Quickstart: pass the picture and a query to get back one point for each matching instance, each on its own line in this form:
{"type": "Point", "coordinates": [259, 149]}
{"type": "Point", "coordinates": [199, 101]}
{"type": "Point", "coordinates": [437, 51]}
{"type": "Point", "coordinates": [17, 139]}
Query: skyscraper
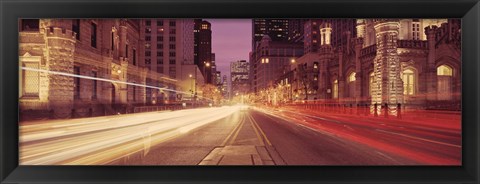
{"type": "Point", "coordinates": [277, 29]}
{"type": "Point", "coordinates": [239, 71]}
{"type": "Point", "coordinates": [203, 48]}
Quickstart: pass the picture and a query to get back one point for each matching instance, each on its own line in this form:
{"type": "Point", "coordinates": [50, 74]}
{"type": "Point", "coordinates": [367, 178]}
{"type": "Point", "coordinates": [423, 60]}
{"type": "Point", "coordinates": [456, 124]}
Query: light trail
{"type": "Point", "coordinates": [108, 80]}
{"type": "Point", "coordinates": [111, 138]}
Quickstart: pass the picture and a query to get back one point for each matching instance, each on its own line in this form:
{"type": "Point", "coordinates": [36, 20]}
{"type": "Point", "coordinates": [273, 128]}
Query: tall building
{"type": "Point", "coordinates": [344, 30]}
{"type": "Point", "coordinates": [296, 30]}
{"type": "Point", "coordinates": [225, 89]}
{"type": "Point", "coordinates": [269, 60]}
{"type": "Point", "coordinates": [276, 29]}
{"type": "Point", "coordinates": [311, 35]}
{"type": "Point", "coordinates": [239, 74]}
{"type": "Point", "coordinates": [203, 48]}
{"type": "Point", "coordinates": [145, 52]}
{"type": "Point", "coordinates": [169, 44]}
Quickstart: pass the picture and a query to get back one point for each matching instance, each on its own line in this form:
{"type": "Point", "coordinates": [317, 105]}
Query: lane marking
{"type": "Point", "coordinates": [418, 138]}
{"type": "Point", "coordinates": [257, 132]}
{"type": "Point", "coordinates": [232, 132]}
{"type": "Point", "coordinates": [232, 140]}
{"type": "Point", "coordinates": [261, 131]}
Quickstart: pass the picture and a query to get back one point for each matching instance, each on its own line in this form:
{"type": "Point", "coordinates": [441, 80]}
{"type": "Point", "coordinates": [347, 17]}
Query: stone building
{"type": "Point", "coordinates": [268, 61]}
{"type": "Point", "coordinates": [107, 54]}
{"type": "Point", "coordinates": [415, 62]}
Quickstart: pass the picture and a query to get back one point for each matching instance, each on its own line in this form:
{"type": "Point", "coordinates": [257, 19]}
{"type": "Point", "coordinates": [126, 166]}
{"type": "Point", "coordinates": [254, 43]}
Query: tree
{"type": "Point", "coordinates": [307, 80]}
{"type": "Point", "coordinates": [211, 93]}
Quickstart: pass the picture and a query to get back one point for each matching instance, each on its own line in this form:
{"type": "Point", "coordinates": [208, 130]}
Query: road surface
{"type": "Point", "coordinates": [233, 135]}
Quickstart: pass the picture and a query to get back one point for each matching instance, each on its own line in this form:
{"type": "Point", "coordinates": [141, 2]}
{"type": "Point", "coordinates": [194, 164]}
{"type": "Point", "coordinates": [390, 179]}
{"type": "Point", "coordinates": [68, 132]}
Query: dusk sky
{"type": "Point", "coordinates": [231, 41]}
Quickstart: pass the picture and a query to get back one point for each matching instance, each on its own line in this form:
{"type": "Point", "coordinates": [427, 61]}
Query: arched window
{"type": "Point", "coordinates": [335, 89]}
{"type": "Point", "coordinates": [408, 77]}
{"type": "Point", "coordinates": [370, 83]}
{"type": "Point", "coordinates": [444, 82]}
{"type": "Point", "coordinates": [351, 84]}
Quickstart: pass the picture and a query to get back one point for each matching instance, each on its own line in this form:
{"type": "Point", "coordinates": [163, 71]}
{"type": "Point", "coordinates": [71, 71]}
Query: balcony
{"type": "Point", "coordinates": [412, 44]}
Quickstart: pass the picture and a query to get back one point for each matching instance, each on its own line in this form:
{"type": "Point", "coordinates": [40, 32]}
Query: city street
{"type": "Point", "coordinates": [236, 135]}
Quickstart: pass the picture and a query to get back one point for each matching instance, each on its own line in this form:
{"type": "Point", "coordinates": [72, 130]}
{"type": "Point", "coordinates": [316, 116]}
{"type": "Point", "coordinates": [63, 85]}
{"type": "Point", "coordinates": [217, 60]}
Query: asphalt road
{"type": "Point", "coordinates": [275, 141]}
{"type": "Point", "coordinates": [234, 135]}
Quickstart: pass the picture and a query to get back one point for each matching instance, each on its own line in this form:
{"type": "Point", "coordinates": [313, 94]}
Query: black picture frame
{"type": "Point", "coordinates": [11, 11]}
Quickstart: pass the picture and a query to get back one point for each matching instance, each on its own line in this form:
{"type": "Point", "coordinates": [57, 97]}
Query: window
{"type": "Point", "coordinates": [159, 45]}
{"type": "Point", "coordinates": [76, 81]}
{"type": "Point", "coordinates": [159, 22]}
{"type": "Point", "coordinates": [172, 38]}
{"type": "Point", "coordinates": [416, 30]}
{"type": "Point", "coordinates": [444, 82]}
{"type": "Point", "coordinates": [94, 85]}
{"type": "Point", "coordinates": [160, 61]}
{"type": "Point", "coordinates": [172, 72]}
{"type": "Point", "coordinates": [76, 28]}
{"type": "Point", "coordinates": [408, 78]}
{"type": "Point", "coordinates": [148, 61]}
{"type": "Point", "coordinates": [126, 50]}
{"type": "Point", "coordinates": [148, 30]}
{"type": "Point", "coordinates": [315, 65]}
{"type": "Point", "coordinates": [371, 83]}
{"type": "Point", "coordinates": [30, 24]}
{"type": "Point", "coordinates": [93, 35]}
{"type": "Point", "coordinates": [172, 23]}
{"type": "Point", "coordinates": [160, 54]}
{"type": "Point", "coordinates": [351, 84]}
{"type": "Point", "coordinates": [159, 38]}
{"type": "Point", "coordinates": [112, 38]}
{"type": "Point", "coordinates": [148, 23]}
{"type": "Point", "coordinates": [148, 53]}
{"type": "Point", "coordinates": [172, 46]}
{"type": "Point", "coordinates": [134, 95]}
{"type": "Point", "coordinates": [172, 54]}
{"type": "Point", "coordinates": [134, 57]}
{"type": "Point", "coordinates": [148, 38]}
{"type": "Point", "coordinates": [159, 69]}
{"type": "Point", "coordinates": [30, 80]}
{"type": "Point", "coordinates": [172, 61]}
{"type": "Point", "coordinates": [172, 31]}
{"type": "Point", "coordinates": [335, 89]}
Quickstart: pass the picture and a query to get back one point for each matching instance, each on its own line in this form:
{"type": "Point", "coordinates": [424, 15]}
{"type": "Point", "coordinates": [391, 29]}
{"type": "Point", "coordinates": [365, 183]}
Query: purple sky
{"type": "Point", "coordinates": [231, 41]}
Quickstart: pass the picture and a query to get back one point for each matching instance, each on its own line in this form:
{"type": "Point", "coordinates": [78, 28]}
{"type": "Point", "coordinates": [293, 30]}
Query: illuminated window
{"type": "Point", "coordinates": [335, 89]}
{"type": "Point", "coordinates": [408, 78]}
{"type": "Point", "coordinates": [444, 82]}
{"type": "Point", "coordinates": [351, 84]}
{"type": "Point", "coordinates": [351, 77]}
{"type": "Point", "coordinates": [30, 80]}
{"type": "Point", "coordinates": [444, 70]}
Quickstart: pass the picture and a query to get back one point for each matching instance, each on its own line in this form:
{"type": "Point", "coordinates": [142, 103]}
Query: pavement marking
{"type": "Point", "coordinates": [257, 132]}
{"type": "Point", "coordinates": [261, 131]}
{"type": "Point", "coordinates": [236, 129]}
{"type": "Point", "coordinates": [418, 138]}
{"type": "Point", "coordinates": [232, 140]}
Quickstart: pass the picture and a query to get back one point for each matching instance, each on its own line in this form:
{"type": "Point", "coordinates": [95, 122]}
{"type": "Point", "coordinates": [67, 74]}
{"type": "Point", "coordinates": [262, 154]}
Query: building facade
{"type": "Point", "coordinates": [415, 62]}
{"type": "Point", "coordinates": [276, 29]}
{"type": "Point", "coordinates": [101, 65]}
{"type": "Point", "coordinates": [204, 58]}
{"type": "Point", "coordinates": [269, 60]}
{"type": "Point", "coordinates": [239, 74]}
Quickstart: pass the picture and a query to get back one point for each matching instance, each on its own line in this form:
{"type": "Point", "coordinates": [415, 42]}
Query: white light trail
{"type": "Point", "coordinates": [107, 80]}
